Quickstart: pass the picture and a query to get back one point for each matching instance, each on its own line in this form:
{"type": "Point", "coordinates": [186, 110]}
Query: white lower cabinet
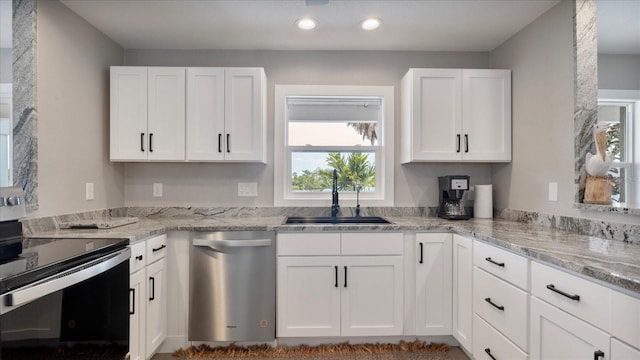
{"type": "Point", "coordinates": [325, 294]}
{"type": "Point", "coordinates": [558, 335]}
{"type": "Point", "coordinates": [622, 351]}
{"type": "Point", "coordinates": [156, 306]}
{"type": "Point", "coordinates": [502, 305]}
{"type": "Point", "coordinates": [489, 344]}
{"type": "Point", "coordinates": [308, 296]}
{"type": "Point", "coordinates": [372, 296]}
{"type": "Point", "coordinates": [433, 283]}
{"type": "Point", "coordinates": [137, 312]}
{"type": "Point", "coordinates": [462, 290]}
{"type": "Point", "coordinates": [148, 294]}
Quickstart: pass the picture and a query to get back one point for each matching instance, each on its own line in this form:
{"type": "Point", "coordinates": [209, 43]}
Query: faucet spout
{"type": "Point", "coordinates": [335, 206]}
{"type": "Point", "coordinates": [358, 189]}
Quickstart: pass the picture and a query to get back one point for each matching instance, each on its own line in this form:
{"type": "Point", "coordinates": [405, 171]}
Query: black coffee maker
{"type": "Point", "coordinates": [452, 206]}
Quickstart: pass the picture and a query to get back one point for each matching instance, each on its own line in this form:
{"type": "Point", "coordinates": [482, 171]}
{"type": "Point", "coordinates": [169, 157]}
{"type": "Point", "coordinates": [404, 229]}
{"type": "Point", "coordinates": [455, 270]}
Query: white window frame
{"type": "Point", "coordinates": [632, 161]}
{"type": "Point", "coordinates": [384, 194]}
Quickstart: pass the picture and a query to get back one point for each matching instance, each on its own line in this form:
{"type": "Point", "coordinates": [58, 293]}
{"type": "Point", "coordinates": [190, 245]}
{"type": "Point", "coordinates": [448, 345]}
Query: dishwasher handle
{"type": "Point", "coordinates": [232, 243]}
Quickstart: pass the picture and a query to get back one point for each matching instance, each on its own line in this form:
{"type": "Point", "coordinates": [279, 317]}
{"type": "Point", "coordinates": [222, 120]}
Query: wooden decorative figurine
{"type": "Point", "coordinates": [598, 186]}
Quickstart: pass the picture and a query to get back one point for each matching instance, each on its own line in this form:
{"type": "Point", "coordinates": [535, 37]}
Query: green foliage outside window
{"type": "Point", "coordinates": [353, 169]}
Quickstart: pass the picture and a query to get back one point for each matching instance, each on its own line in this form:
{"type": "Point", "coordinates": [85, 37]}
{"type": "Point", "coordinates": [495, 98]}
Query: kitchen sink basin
{"type": "Point", "coordinates": [336, 220]}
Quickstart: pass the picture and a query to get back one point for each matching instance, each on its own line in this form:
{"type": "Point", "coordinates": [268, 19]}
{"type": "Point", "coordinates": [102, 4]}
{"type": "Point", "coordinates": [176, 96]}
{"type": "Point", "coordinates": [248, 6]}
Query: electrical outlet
{"type": "Point", "coordinates": [248, 189]}
{"type": "Point", "coordinates": [157, 189]}
{"type": "Point", "coordinates": [88, 191]}
{"type": "Point", "coordinates": [553, 191]}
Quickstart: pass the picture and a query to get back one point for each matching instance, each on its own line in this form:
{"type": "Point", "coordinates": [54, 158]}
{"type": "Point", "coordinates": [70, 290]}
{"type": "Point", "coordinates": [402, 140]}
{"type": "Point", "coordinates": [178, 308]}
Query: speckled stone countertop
{"type": "Point", "coordinates": [613, 262]}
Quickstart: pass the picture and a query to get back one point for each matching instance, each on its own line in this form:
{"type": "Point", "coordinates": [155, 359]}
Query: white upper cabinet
{"type": "Point", "coordinates": [245, 114]}
{"type": "Point", "coordinates": [128, 109]}
{"type": "Point", "coordinates": [205, 114]}
{"type": "Point", "coordinates": [147, 113]}
{"type": "Point", "coordinates": [192, 114]}
{"type": "Point", "coordinates": [456, 115]}
{"type": "Point", "coordinates": [226, 114]}
{"type": "Point", "coordinates": [166, 104]}
{"type": "Point", "coordinates": [486, 109]}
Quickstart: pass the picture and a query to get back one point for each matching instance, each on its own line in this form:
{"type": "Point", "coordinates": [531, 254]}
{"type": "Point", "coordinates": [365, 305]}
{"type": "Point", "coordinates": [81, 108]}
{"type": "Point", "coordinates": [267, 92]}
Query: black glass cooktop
{"type": "Point", "coordinates": [41, 258]}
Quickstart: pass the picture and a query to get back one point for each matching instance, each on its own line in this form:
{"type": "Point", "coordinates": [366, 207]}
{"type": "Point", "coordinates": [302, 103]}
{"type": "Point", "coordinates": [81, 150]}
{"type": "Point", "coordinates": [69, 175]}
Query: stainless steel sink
{"type": "Point", "coordinates": [336, 220]}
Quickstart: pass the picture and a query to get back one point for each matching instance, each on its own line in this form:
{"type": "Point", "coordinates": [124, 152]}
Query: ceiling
{"type": "Point", "coordinates": [429, 25]}
{"type": "Point", "coordinates": [412, 25]}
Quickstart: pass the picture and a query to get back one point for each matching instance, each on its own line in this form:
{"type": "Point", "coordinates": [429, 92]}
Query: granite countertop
{"type": "Point", "coordinates": [613, 262]}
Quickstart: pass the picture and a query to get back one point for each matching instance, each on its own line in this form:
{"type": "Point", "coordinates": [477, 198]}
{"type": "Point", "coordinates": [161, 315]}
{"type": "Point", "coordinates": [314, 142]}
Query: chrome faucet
{"type": "Point", "coordinates": [335, 207]}
{"type": "Point", "coordinates": [358, 189]}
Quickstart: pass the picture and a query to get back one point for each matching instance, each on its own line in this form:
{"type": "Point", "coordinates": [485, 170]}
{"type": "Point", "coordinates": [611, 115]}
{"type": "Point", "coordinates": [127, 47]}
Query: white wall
{"type": "Point", "coordinates": [541, 58]}
{"type": "Point", "coordinates": [619, 72]}
{"type": "Point", "coordinates": [73, 106]}
{"type": "Point", "coordinates": [216, 184]}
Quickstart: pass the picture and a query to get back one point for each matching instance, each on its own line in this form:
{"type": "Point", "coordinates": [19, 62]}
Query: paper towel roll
{"type": "Point", "coordinates": [483, 203]}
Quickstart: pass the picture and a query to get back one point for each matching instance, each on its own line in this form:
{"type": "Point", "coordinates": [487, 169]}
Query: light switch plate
{"type": "Point", "coordinates": [553, 191]}
{"type": "Point", "coordinates": [89, 191]}
{"type": "Point", "coordinates": [157, 189]}
{"type": "Point", "coordinates": [248, 189]}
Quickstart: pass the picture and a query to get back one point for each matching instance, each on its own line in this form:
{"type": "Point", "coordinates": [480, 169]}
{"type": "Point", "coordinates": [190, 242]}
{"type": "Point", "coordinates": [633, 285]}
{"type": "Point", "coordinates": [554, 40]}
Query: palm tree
{"type": "Point", "coordinates": [353, 170]}
{"type": "Point", "coordinates": [366, 129]}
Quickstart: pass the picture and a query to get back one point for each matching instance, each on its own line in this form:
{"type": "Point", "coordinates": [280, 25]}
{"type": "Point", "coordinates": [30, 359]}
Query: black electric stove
{"type": "Point", "coordinates": [27, 260]}
{"type": "Point", "coordinates": [75, 291]}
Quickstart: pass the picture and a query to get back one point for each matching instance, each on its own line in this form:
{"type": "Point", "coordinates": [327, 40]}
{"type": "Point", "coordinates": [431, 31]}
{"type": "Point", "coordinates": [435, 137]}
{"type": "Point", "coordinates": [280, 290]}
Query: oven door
{"type": "Point", "coordinates": [79, 313]}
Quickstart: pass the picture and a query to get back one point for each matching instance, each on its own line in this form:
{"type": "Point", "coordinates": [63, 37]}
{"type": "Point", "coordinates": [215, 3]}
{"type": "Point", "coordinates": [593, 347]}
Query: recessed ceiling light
{"type": "Point", "coordinates": [371, 23]}
{"type": "Point", "coordinates": [306, 23]}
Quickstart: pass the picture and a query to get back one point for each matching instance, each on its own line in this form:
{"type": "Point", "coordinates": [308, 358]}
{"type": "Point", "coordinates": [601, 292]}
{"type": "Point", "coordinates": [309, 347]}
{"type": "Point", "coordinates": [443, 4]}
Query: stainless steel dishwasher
{"type": "Point", "coordinates": [232, 286]}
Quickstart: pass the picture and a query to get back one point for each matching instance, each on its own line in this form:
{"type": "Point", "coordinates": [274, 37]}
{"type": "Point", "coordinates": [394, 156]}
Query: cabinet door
{"type": "Point", "coordinates": [166, 106]}
{"type": "Point", "coordinates": [436, 114]}
{"type": "Point", "coordinates": [137, 312]}
{"type": "Point", "coordinates": [486, 109]}
{"type": "Point", "coordinates": [308, 301]}
{"type": "Point", "coordinates": [372, 295]}
{"type": "Point", "coordinates": [433, 284]}
{"type": "Point", "coordinates": [622, 351]}
{"type": "Point", "coordinates": [128, 112]}
{"type": "Point", "coordinates": [245, 114]}
{"type": "Point", "coordinates": [462, 290]}
{"type": "Point", "coordinates": [156, 300]}
{"type": "Point", "coordinates": [205, 114]}
{"type": "Point", "coordinates": [558, 335]}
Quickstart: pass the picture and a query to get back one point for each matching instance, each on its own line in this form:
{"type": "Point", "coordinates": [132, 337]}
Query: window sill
{"type": "Point", "coordinates": [608, 208]}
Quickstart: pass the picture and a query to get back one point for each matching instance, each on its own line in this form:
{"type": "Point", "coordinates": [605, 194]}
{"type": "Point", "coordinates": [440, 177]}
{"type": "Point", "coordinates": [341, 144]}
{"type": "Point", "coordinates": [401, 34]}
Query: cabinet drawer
{"type": "Point", "coordinates": [487, 340]}
{"type": "Point", "coordinates": [370, 243]}
{"type": "Point", "coordinates": [156, 248]}
{"type": "Point", "coordinates": [625, 318]}
{"type": "Point", "coordinates": [138, 258]}
{"type": "Point", "coordinates": [622, 351]}
{"type": "Point", "coordinates": [501, 263]}
{"type": "Point", "coordinates": [303, 243]}
{"type": "Point", "coordinates": [586, 300]}
{"type": "Point", "coordinates": [502, 305]}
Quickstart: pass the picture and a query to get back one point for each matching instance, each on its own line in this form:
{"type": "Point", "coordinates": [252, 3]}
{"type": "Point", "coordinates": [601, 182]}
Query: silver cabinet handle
{"type": "Point", "coordinates": [232, 243]}
{"type": "Point", "coordinates": [63, 280]}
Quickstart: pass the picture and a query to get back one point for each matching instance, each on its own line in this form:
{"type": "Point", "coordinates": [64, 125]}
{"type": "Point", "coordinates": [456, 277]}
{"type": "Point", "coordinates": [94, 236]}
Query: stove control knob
{"type": "Point", "coordinates": [3, 201]}
{"type": "Point", "coordinates": [13, 200]}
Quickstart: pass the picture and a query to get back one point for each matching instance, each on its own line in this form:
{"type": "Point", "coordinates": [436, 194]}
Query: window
{"type": "Point", "coordinates": [322, 128]}
{"type": "Point", "coordinates": [621, 116]}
